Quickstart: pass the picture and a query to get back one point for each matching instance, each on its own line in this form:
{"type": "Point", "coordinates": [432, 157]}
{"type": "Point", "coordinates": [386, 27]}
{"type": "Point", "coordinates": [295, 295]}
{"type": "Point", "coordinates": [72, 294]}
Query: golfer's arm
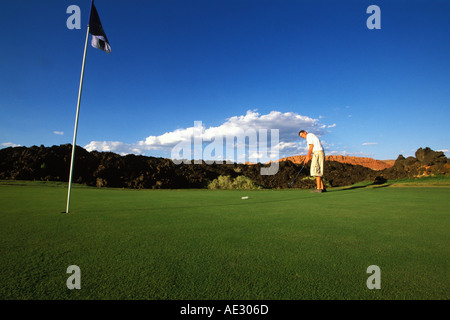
{"type": "Point", "coordinates": [308, 157]}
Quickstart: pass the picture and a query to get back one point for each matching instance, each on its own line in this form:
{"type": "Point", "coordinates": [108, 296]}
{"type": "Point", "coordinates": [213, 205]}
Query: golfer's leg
{"type": "Point", "coordinates": [318, 179]}
{"type": "Point", "coordinates": [321, 162]}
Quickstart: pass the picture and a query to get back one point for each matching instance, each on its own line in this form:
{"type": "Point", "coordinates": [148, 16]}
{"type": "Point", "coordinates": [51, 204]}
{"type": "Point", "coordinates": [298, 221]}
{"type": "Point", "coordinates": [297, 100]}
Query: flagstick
{"type": "Point", "coordinates": [76, 121]}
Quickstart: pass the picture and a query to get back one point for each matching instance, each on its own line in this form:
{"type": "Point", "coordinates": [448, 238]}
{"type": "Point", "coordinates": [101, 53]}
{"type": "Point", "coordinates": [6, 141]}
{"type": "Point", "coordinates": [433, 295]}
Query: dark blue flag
{"type": "Point", "coordinates": [99, 39]}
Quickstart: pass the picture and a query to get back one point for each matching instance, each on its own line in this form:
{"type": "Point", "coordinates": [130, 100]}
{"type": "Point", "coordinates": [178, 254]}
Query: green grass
{"type": "Point", "coordinates": [211, 244]}
{"type": "Point", "coordinates": [432, 180]}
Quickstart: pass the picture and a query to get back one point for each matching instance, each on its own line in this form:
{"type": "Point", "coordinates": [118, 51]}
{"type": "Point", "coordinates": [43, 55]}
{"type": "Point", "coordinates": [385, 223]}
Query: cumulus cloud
{"type": "Point", "coordinates": [59, 133]}
{"type": "Point", "coordinates": [113, 146]}
{"type": "Point", "coordinates": [252, 123]}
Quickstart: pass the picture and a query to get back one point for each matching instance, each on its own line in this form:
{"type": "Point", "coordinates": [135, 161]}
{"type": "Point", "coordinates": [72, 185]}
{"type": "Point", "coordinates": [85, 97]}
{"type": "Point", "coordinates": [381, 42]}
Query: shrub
{"type": "Point", "coordinates": [242, 182]}
{"type": "Point", "coordinates": [226, 182]}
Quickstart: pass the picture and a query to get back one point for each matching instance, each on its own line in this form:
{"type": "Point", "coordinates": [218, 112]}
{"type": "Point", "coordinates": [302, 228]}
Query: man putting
{"type": "Point", "coordinates": [318, 158]}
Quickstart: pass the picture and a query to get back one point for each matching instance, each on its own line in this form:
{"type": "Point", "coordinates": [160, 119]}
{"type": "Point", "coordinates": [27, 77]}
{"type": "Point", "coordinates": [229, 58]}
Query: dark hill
{"type": "Point", "coordinates": [426, 162]}
{"type": "Point", "coordinates": [107, 169]}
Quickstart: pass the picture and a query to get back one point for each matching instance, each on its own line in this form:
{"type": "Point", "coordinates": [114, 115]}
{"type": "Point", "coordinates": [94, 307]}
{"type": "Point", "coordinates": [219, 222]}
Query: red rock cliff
{"type": "Point", "coordinates": [365, 162]}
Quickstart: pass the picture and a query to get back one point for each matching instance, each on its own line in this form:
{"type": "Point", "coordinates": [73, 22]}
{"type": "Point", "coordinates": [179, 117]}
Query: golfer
{"type": "Point", "coordinates": [318, 158]}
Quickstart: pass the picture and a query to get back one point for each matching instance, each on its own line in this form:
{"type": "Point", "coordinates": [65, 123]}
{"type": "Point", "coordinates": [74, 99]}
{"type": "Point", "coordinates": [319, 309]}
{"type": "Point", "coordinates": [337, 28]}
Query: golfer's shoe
{"type": "Point", "coordinates": [316, 191]}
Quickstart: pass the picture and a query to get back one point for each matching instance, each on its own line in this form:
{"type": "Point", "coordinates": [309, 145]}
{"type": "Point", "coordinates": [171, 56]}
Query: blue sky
{"type": "Point", "coordinates": [251, 64]}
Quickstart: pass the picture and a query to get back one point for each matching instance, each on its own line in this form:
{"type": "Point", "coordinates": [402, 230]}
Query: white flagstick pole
{"type": "Point", "coordinates": [76, 122]}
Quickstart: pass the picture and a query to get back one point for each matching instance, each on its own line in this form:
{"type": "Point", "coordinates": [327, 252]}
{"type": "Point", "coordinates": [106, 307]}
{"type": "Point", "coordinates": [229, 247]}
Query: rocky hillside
{"type": "Point", "coordinates": [426, 162]}
{"type": "Point", "coordinates": [361, 161]}
{"type": "Point", "coordinates": [106, 169]}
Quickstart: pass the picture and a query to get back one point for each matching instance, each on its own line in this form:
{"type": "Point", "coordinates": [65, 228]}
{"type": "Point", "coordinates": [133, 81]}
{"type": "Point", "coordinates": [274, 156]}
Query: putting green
{"type": "Point", "coordinates": [208, 244]}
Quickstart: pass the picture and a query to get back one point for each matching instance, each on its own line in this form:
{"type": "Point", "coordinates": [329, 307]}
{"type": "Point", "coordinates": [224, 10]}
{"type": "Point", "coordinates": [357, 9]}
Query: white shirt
{"type": "Point", "coordinates": [311, 138]}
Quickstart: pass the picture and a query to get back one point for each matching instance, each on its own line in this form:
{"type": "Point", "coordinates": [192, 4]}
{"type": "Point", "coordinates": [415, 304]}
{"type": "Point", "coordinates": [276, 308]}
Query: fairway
{"type": "Point", "coordinates": [211, 244]}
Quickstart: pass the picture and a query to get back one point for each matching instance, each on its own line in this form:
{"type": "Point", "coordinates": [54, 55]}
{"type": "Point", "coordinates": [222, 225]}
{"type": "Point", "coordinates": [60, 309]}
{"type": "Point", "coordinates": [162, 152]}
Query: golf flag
{"type": "Point", "coordinates": [99, 39]}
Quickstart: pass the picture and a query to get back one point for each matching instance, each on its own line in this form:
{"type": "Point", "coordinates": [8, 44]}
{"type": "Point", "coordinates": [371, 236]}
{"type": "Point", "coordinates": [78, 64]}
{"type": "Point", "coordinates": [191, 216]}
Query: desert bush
{"type": "Point", "coordinates": [242, 182]}
{"type": "Point", "coordinates": [226, 182]}
{"type": "Point", "coordinates": [222, 182]}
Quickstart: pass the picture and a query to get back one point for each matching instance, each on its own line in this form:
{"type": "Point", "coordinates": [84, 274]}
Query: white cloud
{"type": "Point", "coordinates": [288, 124]}
{"type": "Point", "coordinates": [113, 146]}
{"type": "Point", "coordinates": [9, 144]}
{"type": "Point", "coordinates": [60, 133]}
{"type": "Point", "coordinates": [332, 125]}
{"type": "Point", "coordinates": [369, 143]}
{"type": "Point", "coordinates": [288, 145]}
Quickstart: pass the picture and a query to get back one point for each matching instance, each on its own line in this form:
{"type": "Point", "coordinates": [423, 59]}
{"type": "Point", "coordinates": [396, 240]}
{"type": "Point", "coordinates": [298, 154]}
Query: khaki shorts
{"type": "Point", "coordinates": [317, 164]}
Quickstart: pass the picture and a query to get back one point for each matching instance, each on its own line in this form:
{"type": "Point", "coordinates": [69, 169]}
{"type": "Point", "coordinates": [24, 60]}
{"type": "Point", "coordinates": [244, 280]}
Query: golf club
{"type": "Point", "coordinates": [291, 183]}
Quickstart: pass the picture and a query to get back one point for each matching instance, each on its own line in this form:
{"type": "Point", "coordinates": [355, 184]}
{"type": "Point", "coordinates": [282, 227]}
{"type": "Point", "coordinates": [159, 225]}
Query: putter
{"type": "Point", "coordinates": [291, 183]}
